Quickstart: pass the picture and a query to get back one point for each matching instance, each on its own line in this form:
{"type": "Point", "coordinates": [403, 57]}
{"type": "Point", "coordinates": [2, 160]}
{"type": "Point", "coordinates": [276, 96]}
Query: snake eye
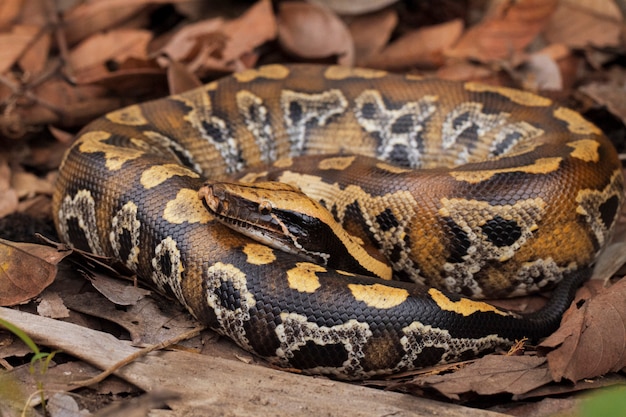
{"type": "Point", "coordinates": [265, 207]}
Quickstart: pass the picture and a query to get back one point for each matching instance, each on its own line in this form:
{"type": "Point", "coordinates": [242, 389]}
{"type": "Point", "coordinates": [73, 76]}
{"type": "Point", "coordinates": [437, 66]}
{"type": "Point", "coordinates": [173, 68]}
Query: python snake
{"type": "Point", "coordinates": [478, 191]}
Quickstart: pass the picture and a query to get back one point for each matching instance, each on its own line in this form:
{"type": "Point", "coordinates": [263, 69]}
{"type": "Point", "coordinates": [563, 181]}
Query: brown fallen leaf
{"type": "Point", "coordinates": [580, 23]}
{"type": "Point", "coordinates": [14, 42]}
{"type": "Point", "coordinates": [313, 31]}
{"type": "Point", "coordinates": [423, 47]}
{"type": "Point", "coordinates": [489, 375]}
{"type": "Point", "coordinates": [25, 270]}
{"type": "Point", "coordinates": [9, 10]}
{"type": "Point", "coordinates": [8, 195]}
{"type": "Point", "coordinates": [88, 18]}
{"type": "Point", "coordinates": [507, 29]}
{"type": "Point", "coordinates": [255, 27]}
{"type": "Point", "coordinates": [611, 94]}
{"type": "Point", "coordinates": [371, 32]}
{"type": "Point", "coordinates": [592, 338]}
{"type": "Point", "coordinates": [92, 58]}
{"type": "Point", "coordinates": [221, 45]}
{"type": "Point", "coordinates": [353, 7]}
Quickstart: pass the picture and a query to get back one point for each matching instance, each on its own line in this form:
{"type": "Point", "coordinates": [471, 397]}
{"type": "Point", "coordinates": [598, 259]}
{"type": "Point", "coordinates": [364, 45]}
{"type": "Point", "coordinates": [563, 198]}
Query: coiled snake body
{"type": "Point", "coordinates": [513, 194]}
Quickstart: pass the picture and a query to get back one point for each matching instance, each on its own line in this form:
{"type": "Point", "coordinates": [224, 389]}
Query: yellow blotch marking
{"type": "Point", "coordinates": [464, 306]}
{"type": "Point", "coordinates": [302, 278]}
{"type": "Point", "coordinates": [274, 72]}
{"type": "Point", "coordinates": [158, 174]}
{"type": "Point", "coordinates": [392, 168]}
{"type": "Point", "coordinates": [283, 163]}
{"type": "Point", "coordinates": [186, 207]}
{"type": "Point", "coordinates": [575, 122]}
{"type": "Point", "coordinates": [259, 254]}
{"type": "Point", "coordinates": [379, 296]}
{"type": "Point", "coordinates": [341, 73]}
{"type": "Point", "coordinates": [129, 116]}
{"type": "Point", "coordinates": [92, 142]}
{"type": "Point", "coordinates": [339, 163]}
{"type": "Point", "coordinates": [414, 77]}
{"type": "Point", "coordinates": [521, 97]}
{"type": "Point", "coordinates": [541, 166]}
{"type": "Point", "coordinates": [586, 150]}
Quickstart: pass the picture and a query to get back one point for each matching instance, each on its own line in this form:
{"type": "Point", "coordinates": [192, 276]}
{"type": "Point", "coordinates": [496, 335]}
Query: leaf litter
{"type": "Point", "coordinates": [67, 63]}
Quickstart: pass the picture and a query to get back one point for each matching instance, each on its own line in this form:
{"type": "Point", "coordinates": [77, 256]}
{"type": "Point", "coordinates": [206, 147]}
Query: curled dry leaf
{"type": "Point", "coordinates": [90, 59]}
{"type": "Point", "coordinates": [88, 18]}
{"type": "Point", "coordinates": [255, 27]}
{"type": "Point", "coordinates": [354, 7]}
{"type": "Point", "coordinates": [313, 31]}
{"type": "Point", "coordinates": [611, 94]}
{"type": "Point", "coordinates": [492, 374]}
{"type": "Point", "coordinates": [592, 338]}
{"type": "Point", "coordinates": [423, 47]}
{"type": "Point", "coordinates": [25, 270]}
{"type": "Point", "coordinates": [216, 44]}
{"type": "Point", "coordinates": [8, 196]}
{"type": "Point", "coordinates": [505, 30]}
{"type": "Point", "coordinates": [371, 33]}
{"type": "Point", "coordinates": [14, 42]}
{"type": "Point", "coordinates": [9, 10]}
{"type": "Point", "coordinates": [580, 23]}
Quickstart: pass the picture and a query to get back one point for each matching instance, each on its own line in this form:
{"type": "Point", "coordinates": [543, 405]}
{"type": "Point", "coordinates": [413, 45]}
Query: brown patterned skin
{"type": "Point", "coordinates": [513, 194]}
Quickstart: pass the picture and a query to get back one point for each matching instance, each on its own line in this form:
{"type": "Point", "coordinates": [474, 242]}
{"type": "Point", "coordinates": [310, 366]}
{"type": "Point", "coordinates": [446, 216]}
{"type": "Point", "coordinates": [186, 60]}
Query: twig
{"type": "Point", "coordinates": [140, 353]}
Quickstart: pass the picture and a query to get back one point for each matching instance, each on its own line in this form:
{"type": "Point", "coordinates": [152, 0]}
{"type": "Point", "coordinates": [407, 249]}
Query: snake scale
{"type": "Point", "coordinates": [477, 191]}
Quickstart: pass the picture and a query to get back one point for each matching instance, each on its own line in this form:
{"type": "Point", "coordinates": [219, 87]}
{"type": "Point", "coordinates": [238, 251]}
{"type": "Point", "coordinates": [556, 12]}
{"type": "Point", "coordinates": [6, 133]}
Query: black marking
{"type": "Point", "coordinates": [369, 110]}
{"type": "Point", "coordinates": [399, 156]}
{"type": "Point", "coordinates": [608, 211]}
{"type": "Point", "coordinates": [77, 235]}
{"type": "Point", "coordinates": [228, 295]}
{"type": "Point", "coordinates": [165, 263]}
{"type": "Point", "coordinates": [505, 144]}
{"type": "Point", "coordinates": [429, 356]}
{"type": "Point", "coordinates": [312, 355]}
{"type": "Point", "coordinates": [386, 220]}
{"type": "Point", "coordinates": [295, 112]}
{"type": "Point", "coordinates": [502, 232]}
{"type": "Point", "coordinates": [403, 124]}
{"type": "Point", "coordinates": [459, 241]}
{"type": "Point", "coordinates": [214, 131]}
{"type": "Point", "coordinates": [125, 242]}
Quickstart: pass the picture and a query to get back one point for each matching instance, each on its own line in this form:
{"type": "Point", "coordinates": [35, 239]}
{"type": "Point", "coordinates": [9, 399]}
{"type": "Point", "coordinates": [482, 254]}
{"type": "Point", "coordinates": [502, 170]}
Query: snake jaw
{"type": "Point", "coordinates": [259, 221]}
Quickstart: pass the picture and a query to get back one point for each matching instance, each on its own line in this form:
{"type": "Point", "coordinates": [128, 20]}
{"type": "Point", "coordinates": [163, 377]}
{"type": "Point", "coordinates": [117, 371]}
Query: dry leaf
{"type": "Point", "coordinates": [88, 18]}
{"type": "Point", "coordinates": [611, 94]}
{"type": "Point", "coordinates": [541, 72]}
{"type": "Point", "coordinates": [51, 305]}
{"type": "Point", "coordinates": [180, 79]}
{"type": "Point", "coordinates": [14, 42]}
{"type": "Point", "coordinates": [423, 47]}
{"type": "Point", "coordinates": [91, 59]}
{"type": "Point", "coordinates": [371, 33]}
{"type": "Point", "coordinates": [8, 196]}
{"type": "Point", "coordinates": [354, 6]}
{"type": "Point", "coordinates": [255, 27]}
{"type": "Point", "coordinates": [592, 338]}
{"type": "Point", "coordinates": [506, 30]}
{"type": "Point", "coordinates": [580, 23]}
{"type": "Point", "coordinates": [216, 44]}
{"type": "Point", "coordinates": [9, 10]}
{"type": "Point", "coordinates": [491, 374]}
{"type": "Point", "coordinates": [25, 270]}
{"type": "Point", "coordinates": [313, 31]}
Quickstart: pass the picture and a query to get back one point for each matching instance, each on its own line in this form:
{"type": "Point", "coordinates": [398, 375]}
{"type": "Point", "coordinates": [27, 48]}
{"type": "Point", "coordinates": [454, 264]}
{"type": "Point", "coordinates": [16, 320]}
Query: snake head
{"type": "Point", "coordinates": [283, 217]}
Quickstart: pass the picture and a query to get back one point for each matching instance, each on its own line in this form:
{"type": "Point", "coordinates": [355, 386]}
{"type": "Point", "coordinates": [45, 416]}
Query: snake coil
{"type": "Point", "coordinates": [478, 191]}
